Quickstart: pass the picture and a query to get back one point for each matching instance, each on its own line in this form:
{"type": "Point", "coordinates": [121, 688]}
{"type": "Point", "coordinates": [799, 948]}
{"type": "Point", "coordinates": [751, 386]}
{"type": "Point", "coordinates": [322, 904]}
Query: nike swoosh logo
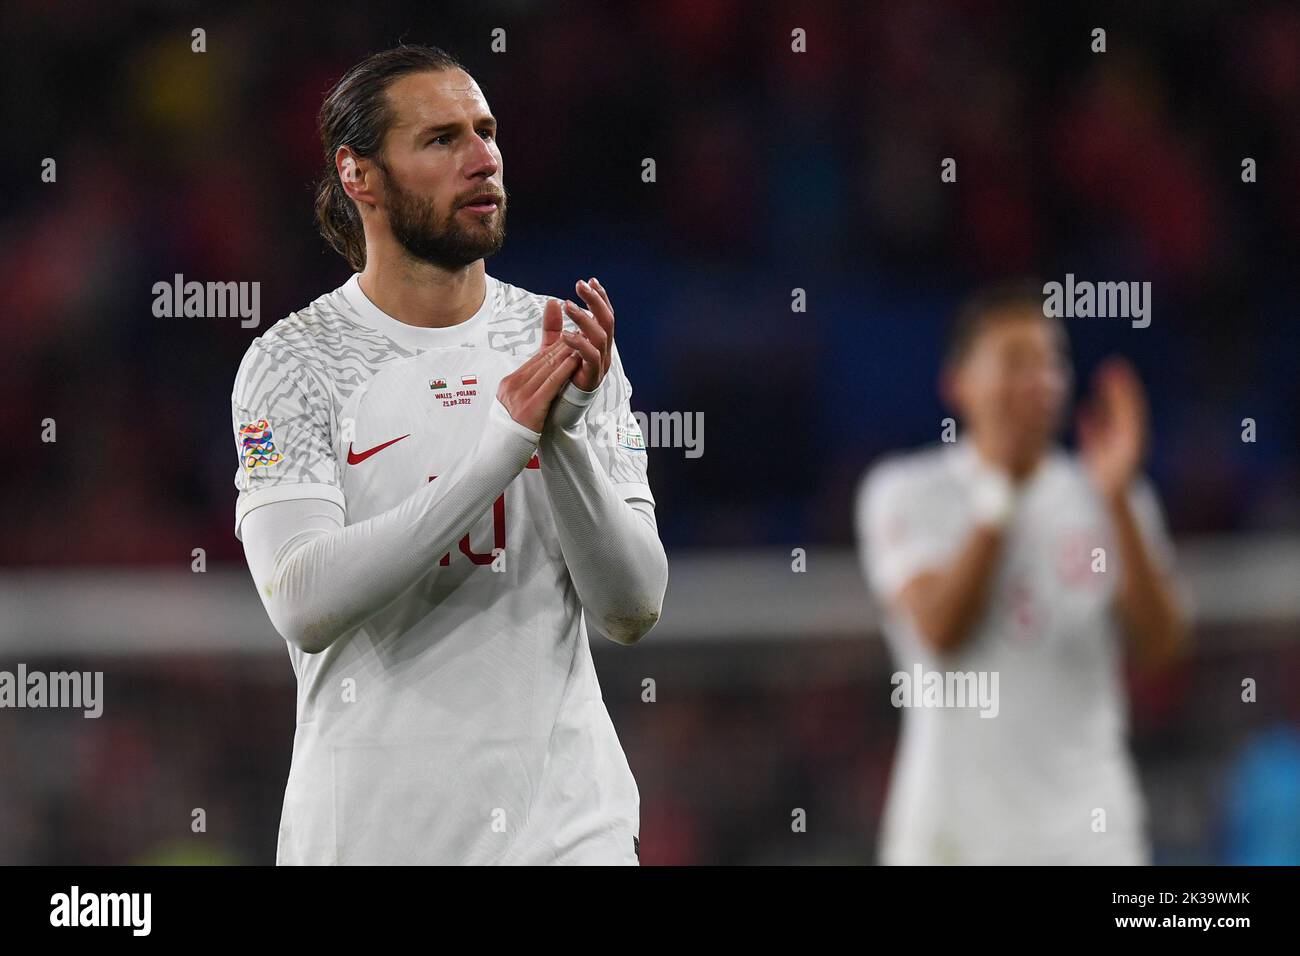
{"type": "Point", "coordinates": [355, 458]}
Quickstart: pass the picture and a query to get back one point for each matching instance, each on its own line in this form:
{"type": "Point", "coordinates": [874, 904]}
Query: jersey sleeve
{"type": "Point", "coordinates": [615, 434]}
{"type": "Point", "coordinates": [901, 532]}
{"type": "Point", "coordinates": [281, 420]}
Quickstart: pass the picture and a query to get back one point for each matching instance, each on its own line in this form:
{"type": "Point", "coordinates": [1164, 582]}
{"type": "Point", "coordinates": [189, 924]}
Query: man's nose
{"type": "Point", "coordinates": [481, 160]}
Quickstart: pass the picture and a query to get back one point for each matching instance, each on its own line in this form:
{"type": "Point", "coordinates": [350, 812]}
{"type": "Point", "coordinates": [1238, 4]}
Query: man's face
{"type": "Point", "coordinates": [439, 154]}
{"type": "Point", "coordinates": [1011, 384]}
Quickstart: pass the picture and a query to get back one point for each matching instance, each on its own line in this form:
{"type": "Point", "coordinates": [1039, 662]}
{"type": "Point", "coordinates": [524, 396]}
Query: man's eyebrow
{"type": "Point", "coordinates": [437, 128]}
{"type": "Point", "coordinates": [455, 124]}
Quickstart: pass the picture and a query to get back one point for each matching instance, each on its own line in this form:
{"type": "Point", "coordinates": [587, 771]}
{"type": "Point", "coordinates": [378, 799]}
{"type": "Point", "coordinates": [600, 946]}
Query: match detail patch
{"type": "Point", "coordinates": [257, 445]}
{"type": "Point", "coordinates": [630, 437]}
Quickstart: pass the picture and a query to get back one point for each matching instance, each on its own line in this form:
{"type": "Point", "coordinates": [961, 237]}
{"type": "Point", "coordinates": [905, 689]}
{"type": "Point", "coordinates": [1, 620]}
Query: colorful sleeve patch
{"type": "Point", "coordinates": [629, 436]}
{"type": "Point", "coordinates": [257, 445]}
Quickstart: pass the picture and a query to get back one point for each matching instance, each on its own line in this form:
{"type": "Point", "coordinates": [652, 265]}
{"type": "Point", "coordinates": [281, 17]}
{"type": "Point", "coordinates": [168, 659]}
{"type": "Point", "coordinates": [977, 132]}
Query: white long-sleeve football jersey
{"type": "Point", "coordinates": [462, 723]}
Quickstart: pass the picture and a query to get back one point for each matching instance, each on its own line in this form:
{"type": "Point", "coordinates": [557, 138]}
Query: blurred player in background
{"type": "Point", "coordinates": [440, 487]}
{"type": "Point", "coordinates": [1002, 553]}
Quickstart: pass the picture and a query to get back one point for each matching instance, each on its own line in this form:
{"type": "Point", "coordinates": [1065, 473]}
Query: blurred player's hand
{"type": "Point", "coordinates": [1112, 427]}
{"type": "Point", "coordinates": [595, 342]}
{"type": "Point", "coordinates": [528, 391]}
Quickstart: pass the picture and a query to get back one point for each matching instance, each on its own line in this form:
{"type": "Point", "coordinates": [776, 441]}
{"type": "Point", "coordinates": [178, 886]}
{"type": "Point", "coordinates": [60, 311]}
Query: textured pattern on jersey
{"type": "Point", "coordinates": [299, 374]}
{"type": "Point", "coordinates": [609, 415]}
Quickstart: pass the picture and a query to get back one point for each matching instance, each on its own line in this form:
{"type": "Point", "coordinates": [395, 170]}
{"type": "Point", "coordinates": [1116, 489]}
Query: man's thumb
{"type": "Point", "coordinates": [552, 323]}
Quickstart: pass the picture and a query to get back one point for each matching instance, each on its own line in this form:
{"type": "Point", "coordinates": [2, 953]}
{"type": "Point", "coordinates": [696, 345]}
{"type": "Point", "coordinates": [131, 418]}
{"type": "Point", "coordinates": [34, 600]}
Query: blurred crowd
{"type": "Point", "coordinates": [775, 171]}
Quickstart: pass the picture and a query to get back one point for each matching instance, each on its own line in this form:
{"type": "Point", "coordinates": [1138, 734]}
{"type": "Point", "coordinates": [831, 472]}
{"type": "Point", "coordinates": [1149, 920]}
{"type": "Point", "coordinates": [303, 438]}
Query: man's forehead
{"type": "Point", "coordinates": [436, 96]}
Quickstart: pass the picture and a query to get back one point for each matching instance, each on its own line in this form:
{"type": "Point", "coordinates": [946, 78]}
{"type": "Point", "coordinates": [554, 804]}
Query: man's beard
{"type": "Point", "coordinates": [448, 244]}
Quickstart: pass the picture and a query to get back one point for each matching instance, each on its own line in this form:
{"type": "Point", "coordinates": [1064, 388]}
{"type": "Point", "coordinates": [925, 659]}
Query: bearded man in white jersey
{"type": "Point", "coordinates": [441, 487]}
{"type": "Point", "coordinates": [1005, 563]}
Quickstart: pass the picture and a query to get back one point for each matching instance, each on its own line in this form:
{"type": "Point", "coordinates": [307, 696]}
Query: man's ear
{"type": "Point", "coordinates": [352, 172]}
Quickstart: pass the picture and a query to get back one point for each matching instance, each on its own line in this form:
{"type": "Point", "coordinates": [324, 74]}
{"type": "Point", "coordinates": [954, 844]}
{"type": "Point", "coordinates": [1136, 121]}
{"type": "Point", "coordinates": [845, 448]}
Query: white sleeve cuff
{"type": "Point", "coordinates": [569, 407]}
{"type": "Point", "coordinates": [577, 396]}
{"type": "Point", "coordinates": [502, 416]}
{"type": "Point", "coordinates": [249, 500]}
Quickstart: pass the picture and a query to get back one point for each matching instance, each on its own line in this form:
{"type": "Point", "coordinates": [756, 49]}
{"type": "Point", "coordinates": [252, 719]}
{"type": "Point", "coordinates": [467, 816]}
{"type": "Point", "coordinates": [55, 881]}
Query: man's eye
{"type": "Point", "coordinates": [444, 139]}
{"type": "Point", "coordinates": [485, 133]}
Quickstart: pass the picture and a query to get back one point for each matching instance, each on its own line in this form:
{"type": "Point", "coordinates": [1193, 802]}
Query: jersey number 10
{"type": "Point", "coordinates": [498, 530]}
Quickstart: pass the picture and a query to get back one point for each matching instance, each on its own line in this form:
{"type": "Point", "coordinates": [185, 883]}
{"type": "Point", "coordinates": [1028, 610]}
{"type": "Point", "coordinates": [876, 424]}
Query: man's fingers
{"type": "Point", "coordinates": [1116, 376]}
{"type": "Point", "coordinates": [559, 376]}
{"type": "Point", "coordinates": [600, 290]}
{"type": "Point", "coordinates": [598, 304]}
{"type": "Point", "coordinates": [532, 374]}
{"type": "Point", "coordinates": [545, 363]}
{"type": "Point", "coordinates": [585, 347]}
{"type": "Point", "coordinates": [527, 366]}
{"type": "Point", "coordinates": [528, 391]}
{"type": "Point", "coordinates": [589, 324]}
{"type": "Point", "coordinates": [1119, 391]}
{"type": "Point", "coordinates": [552, 324]}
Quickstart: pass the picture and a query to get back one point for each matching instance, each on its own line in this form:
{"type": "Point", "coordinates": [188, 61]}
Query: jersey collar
{"type": "Point", "coordinates": [966, 460]}
{"type": "Point", "coordinates": [415, 336]}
